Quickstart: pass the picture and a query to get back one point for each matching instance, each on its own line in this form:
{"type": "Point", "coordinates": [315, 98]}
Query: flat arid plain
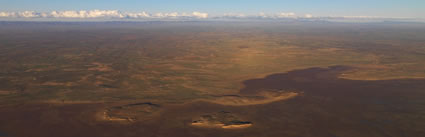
{"type": "Point", "coordinates": [212, 79]}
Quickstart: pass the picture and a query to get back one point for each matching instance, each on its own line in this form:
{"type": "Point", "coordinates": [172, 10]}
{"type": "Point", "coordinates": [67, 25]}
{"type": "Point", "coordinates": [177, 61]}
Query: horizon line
{"type": "Point", "coordinates": [117, 14]}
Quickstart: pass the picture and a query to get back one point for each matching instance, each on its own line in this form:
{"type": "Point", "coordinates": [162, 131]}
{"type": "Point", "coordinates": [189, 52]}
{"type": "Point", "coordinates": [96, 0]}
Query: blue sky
{"type": "Point", "coordinates": [383, 8]}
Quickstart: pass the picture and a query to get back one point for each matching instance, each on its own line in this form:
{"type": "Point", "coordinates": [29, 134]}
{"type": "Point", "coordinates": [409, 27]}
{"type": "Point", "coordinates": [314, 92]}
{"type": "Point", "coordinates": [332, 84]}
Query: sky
{"type": "Point", "coordinates": [373, 8]}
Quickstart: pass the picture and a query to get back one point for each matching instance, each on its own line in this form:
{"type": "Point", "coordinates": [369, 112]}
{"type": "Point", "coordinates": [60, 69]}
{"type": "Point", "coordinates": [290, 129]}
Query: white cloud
{"type": "Point", "coordinates": [180, 15]}
{"type": "Point", "coordinates": [166, 15]}
{"type": "Point", "coordinates": [308, 16]}
{"type": "Point", "coordinates": [262, 14]}
{"type": "Point", "coordinates": [28, 14]}
{"type": "Point", "coordinates": [286, 15]}
{"type": "Point", "coordinates": [234, 15]}
{"type": "Point", "coordinates": [86, 14]}
{"type": "Point", "coordinates": [200, 14]}
{"type": "Point", "coordinates": [139, 15]}
{"type": "Point", "coordinates": [276, 16]}
{"type": "Point", "coordinates": [100, 14]}
{"type": "Point", "coordinates": [24, 14]}
{"type": "Point", "coordinates": [173, 14]}
{"type": "Point", "coordinates": [7, 14]}
{"type": "Point", "coordinates": [361, 17]}
{"type": "Point", "coordinates": [115, 14]}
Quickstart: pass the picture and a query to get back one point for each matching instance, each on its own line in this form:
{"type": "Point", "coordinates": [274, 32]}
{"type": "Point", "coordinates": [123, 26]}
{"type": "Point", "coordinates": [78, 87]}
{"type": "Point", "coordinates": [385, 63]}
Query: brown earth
{"type": "Point", "coordinates": [329, 106]}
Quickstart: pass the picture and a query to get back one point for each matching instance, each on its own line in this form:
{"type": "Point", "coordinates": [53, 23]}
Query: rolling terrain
{"type": "Point", "coordinates": [204, 79]}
